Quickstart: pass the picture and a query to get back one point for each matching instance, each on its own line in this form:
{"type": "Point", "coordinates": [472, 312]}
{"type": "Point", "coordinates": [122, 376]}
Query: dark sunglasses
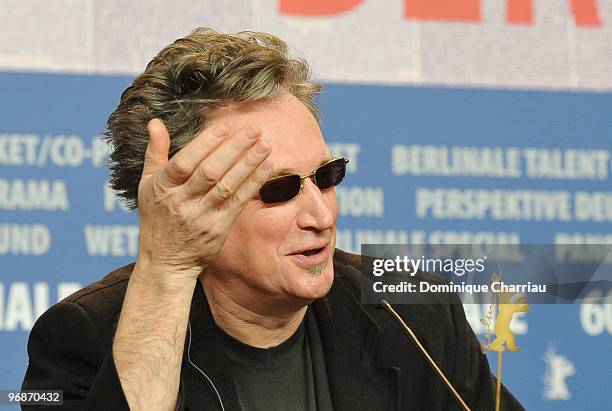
{"type": "Point", "coordinates": [284, 188]}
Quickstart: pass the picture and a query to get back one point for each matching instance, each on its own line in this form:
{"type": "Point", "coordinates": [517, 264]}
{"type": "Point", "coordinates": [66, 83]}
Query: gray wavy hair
{"type": "Point", "coordinates": [189, 79]}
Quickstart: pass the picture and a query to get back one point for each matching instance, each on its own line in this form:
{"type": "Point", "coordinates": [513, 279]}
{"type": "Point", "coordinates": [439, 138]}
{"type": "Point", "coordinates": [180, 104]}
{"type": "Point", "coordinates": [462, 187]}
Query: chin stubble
{"type": "Point", "coordinates": [317, 269]}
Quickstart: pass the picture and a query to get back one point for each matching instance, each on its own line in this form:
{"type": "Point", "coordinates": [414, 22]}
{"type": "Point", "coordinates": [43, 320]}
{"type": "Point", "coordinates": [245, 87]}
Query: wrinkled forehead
{"type": "Point", "coordinates": [285, 124]}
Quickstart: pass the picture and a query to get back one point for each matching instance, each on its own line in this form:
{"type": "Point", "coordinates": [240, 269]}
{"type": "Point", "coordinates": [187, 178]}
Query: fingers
{"type": "Point", "coordinates": [249, 188]}
{"type": "Point", "coordinates": [237, 150]}
{"type": "Point", "coordinates": [234, 205]}
{"type": "Point", "coordinates": [156, 155]}
{"type": "Point", "coordinates": [243, 172]}
{"type": "Point", "coordinates": [183, 164]}
{"type": "Point", "coordinates": [213, 168]}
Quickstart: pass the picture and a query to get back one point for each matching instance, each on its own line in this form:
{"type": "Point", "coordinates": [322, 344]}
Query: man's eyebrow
{"type": "Point", "coordinates": [287, 171]}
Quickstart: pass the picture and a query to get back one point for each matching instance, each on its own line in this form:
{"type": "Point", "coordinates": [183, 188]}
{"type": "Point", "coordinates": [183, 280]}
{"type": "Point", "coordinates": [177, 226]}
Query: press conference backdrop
{"type": "Point", "coordinates": [464, 122]}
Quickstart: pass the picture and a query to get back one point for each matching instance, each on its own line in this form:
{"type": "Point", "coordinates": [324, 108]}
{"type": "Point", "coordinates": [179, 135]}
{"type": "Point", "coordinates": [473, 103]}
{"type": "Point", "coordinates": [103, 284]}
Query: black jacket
{"type": "Point", "coordinates": [371, 364]}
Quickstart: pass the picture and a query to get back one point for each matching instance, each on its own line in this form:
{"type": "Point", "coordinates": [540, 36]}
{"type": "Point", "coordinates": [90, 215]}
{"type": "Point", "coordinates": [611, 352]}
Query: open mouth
{"type": "Point", "coordinates": [311, 256]}
{"type": "Point", "coordinates": [311, 252]}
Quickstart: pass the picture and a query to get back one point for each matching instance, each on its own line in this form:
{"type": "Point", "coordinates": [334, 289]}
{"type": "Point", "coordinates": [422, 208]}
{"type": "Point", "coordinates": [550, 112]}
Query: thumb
{"type": "Point", "coordinates": [156, 155]}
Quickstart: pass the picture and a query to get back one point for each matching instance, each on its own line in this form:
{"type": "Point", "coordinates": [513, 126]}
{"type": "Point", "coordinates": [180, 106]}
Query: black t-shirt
{"type": "Point", "coordinates": [285, 377]}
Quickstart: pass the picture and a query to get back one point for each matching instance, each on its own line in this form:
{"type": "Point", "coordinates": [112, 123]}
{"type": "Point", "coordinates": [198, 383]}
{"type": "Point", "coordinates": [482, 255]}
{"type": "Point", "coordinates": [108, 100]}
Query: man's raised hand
{"type": "Point", "coordinates": [188, 204]}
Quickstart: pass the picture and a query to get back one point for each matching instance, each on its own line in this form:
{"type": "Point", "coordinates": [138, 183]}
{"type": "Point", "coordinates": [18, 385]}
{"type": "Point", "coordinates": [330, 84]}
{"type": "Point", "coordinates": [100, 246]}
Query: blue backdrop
{"type": "Point", "coordinates": [423, 162]}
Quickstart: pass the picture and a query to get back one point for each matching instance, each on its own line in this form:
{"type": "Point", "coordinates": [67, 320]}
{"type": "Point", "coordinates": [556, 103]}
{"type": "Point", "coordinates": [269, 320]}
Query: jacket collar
{"type": "Point", "coordinates": [349, 336]}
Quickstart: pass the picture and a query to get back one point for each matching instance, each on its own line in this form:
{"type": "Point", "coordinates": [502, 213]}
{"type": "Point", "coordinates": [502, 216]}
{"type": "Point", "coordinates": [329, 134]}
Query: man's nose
{"type": "Point", "coordinates": [318, 209]}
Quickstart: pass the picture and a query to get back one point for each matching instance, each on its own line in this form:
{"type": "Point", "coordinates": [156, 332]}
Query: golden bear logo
{"type": "Point", "coordinates": [509, 304]}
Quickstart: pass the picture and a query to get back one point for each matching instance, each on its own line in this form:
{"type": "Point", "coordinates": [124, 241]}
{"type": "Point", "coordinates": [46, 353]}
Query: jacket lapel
{"type": "Point", "coordinates": [350, 336]}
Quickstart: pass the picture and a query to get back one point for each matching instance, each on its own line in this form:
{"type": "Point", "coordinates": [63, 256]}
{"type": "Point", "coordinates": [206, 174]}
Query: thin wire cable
{"type": "Point", "coordinates": [202, 372]}
{"type": "Point", "coordinates": [423, 351]}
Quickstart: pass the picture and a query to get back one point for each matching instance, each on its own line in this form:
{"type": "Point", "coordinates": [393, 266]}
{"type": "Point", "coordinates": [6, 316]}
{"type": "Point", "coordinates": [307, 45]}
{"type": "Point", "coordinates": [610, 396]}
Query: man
{"type": "Point", "coordinates": [238, 298]}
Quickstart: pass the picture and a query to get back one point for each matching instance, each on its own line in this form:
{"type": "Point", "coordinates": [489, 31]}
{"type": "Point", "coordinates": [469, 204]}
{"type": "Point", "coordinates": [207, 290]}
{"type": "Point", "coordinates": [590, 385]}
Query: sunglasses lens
{"type": "Point", "coordinates": [330, 174]}
{"type": "Point", "coordinates": [280, 189]}
{"type": "Point", "coordinates": [285, 188]}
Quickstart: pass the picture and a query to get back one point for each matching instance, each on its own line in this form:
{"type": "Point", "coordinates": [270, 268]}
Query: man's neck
{"type": "Point", "coordinates": [261, 327]}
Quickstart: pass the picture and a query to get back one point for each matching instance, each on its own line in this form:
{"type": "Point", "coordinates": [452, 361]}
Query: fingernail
{"type": "Point", "coordinates": [219, 132]}
{"type": "Point", "coordinates": [250, 133]}
{"type": "Point", "coordinates": [262, 148]}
